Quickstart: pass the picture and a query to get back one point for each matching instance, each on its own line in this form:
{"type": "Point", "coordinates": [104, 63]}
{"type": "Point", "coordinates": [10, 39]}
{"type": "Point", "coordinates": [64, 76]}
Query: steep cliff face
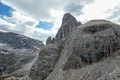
{"type": "Point", "coordinates": [90, 52]}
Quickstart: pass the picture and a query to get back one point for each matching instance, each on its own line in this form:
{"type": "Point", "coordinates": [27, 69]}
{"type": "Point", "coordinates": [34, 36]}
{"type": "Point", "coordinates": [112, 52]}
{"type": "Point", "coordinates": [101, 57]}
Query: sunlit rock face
{"type": "Point", "coordinates": [90, 51]}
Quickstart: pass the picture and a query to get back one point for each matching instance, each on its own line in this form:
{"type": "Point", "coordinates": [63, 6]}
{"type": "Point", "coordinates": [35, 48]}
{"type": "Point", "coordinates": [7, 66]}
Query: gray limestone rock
{"type": "Point", "coordinates": [90, 52]}
{"type": "Point", "coordinates": [45, 63]}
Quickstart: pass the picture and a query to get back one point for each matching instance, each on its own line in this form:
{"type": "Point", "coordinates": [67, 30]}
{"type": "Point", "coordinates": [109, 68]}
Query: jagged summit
{"type": "Point", "coordinates": [68, 18]}
{"type": "Point", "coordinates": [68, 23]}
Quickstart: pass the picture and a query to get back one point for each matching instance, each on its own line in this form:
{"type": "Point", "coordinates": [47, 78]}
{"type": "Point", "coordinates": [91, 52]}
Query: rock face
{"type": "Point", "coordinates": [90, 52]}
{"type": "Point", "coordinates": [68, 23]}
{"type": "Point", "coordinates": [45, 63]}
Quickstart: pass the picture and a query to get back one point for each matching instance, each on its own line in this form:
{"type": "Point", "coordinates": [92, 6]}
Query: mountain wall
{"type": "Point", "coordinates": [90, 51]}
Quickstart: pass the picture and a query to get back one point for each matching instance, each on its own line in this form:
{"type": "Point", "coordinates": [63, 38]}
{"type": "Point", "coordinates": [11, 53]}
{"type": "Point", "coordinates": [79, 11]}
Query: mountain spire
{"type": "Point", "coordinates": [68, 23]}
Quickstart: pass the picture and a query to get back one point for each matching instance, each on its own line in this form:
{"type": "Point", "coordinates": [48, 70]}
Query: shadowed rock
{"type": "Point", "coordinates": [50, 40]}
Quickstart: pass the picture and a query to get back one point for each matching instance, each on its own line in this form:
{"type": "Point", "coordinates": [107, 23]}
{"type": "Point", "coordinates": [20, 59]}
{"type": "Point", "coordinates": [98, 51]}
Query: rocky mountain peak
{"type": "Point", "coordinates": [68, 23]}
{"type": "Point", "coordinates": [90, 52]}
{"type": "Point", "coordinates": [68, 18]}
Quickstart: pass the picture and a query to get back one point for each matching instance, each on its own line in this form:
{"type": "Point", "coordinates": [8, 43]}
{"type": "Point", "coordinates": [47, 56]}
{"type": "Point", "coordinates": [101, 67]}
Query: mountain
{"type": "Point", "coordinates": [19, 41]}
{"type": "Point", "coordinates": [90, 51]}
{"type": "Point", "coordinates": [17, 54]}
{"type": "Point", "coordinates": [68, 23]}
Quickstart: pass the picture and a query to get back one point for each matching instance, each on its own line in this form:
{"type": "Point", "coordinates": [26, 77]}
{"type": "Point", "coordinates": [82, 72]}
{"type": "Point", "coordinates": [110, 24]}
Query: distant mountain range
{"type": "Point", "coordinates": [17, 54]}
{"type": "Point", "coordinates": [18, 41]}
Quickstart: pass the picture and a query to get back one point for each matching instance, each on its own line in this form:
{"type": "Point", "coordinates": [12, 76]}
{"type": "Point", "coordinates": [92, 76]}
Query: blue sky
{"type": "Point", "coordinates": [39, 19]}
{"type": "Point", "coordinates": [5, 10]}
{"type": "Point", "coordinates": [9, 16]}
{"type": "Point", "coordinates": [45, 25]}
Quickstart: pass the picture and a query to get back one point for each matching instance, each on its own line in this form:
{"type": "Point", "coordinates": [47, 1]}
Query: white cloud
{"type": "Point", "coordinates": [98, 9]}
{"type": "Point", "coordinates": [3, 22]}
{"type": "Point", "coordinates": [114, 14]}
{"type": "Point", "coordinates": [18, 18]}
{"type": "Point", "coordinates": [40, 9]}
{"type": "Point", "coordinates": [25, 29]}
{"type": "Point", "coordinates": [22, 24]}
{"type": "Point", "coordinates": [29, 12]}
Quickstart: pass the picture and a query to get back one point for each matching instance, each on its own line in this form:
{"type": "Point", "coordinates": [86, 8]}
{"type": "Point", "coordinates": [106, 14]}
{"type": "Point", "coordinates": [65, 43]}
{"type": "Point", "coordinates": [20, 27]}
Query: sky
{"type": "Point", "coordinates": [40, 19]}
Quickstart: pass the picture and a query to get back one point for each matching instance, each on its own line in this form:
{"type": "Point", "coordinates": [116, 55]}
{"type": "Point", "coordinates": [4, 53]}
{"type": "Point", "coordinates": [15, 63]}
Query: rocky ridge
{"type": "Point", "coordinates": [68, 23]}
{"type": "Point", "coordinates": [90, 51]}
{"type": "Point", "coordinates": [18, 41]}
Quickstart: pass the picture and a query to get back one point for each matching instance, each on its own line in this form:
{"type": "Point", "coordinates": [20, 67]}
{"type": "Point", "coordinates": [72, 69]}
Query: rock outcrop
{"type": "Point", "coordinates": [50, 40]}
{"type": "Point", "coordinates": [89, 52]}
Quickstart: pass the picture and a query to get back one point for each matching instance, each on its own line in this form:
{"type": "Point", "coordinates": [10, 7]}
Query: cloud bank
{"type": "Point", "coordinates": [29, 13]}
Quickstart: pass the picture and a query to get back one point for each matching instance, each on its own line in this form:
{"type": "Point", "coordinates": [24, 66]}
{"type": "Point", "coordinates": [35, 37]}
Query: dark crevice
{"type": "Point", "coordinates": [96, 28]}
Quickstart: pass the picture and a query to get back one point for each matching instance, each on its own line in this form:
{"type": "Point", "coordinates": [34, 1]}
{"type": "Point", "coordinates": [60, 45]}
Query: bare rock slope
{"type": "Point", "coordinates": [89, 52]}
